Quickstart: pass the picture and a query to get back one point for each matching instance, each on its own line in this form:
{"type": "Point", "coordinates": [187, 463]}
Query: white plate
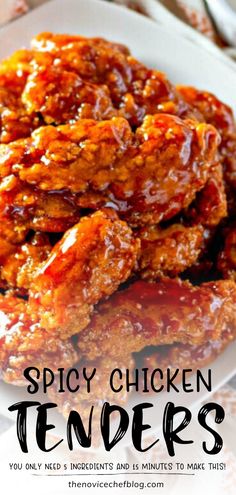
{"type": "Point", "coordinates": [156, 46]}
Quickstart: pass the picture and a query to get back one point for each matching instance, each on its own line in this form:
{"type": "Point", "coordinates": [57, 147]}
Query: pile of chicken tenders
{"type": "Point", "coordinates": [117, 213]}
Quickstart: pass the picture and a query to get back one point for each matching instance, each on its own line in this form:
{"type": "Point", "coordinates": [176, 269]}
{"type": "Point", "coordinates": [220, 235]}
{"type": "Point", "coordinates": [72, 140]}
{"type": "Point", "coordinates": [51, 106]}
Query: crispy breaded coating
{"type": "Point", "coordinates": [220, 115]}
{"type": "Point", "coordinates": [10, 237]}
{"type": "Point", "coordinates": [156, 314]}
{"type": "Point", "coordinates": [65, 78]}
{"type": "Point", "coordinates": [15, 123]}
{"type": "Point", "coordinates": [12, 234]}
{"type": "Point", "coordinates": [147, 176]}
{"type": "Point", "coordinates": [68, 157]}
{"type": "Point", "coordinates": [86, 49]}
{"type": "Point", "coordinates": [63, 97]}
{"type": "Point", "coordinates": [14, 71]}
{"type": "Point", "coordinates": [19, 266]}
{"type": "Point", "coordinates": [213, 110]}
{"type": "Point", "coordinates": [89, 263]}
{"type": "Point", "coordinates": [24, 207]}
{"type": "Point", "coordinates": [226, 263]}
{"type": "Point", "coordinates": [210, 205]}
{"type": "Point", "coordinates": [135, 90]}
{"type": "Point", "coordinates": [169, 251]}
{"type": "Point", "coordinates": [33, 93]}
{"type": "Point", "coordinates": [25, 343]}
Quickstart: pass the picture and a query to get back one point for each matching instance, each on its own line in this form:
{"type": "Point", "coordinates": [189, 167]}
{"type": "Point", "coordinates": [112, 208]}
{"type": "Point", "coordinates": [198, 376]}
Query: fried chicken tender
{"type": "Point", "coordinates": [32, 94]}
{"type": "Point", "coordinates": [19, 266]}
{"type": "Point", "coordinates": [214, 111]}
{"type": "Point", "coordinates": [65, 78]}
{"type": "Point", "coordinates": [22, 343]}
{"type": "Point", "coordinates": [89, 263]}
{"type": "Point", "coordinates": [147, 176]}
{"type": "Point", "coordinates": [169, 251]}
{"type": "Point", "coordinates": [185, 356]}
{"type": "Point", "coordinates": [135, 90]}
{"type": "Point", "coordinates": [226, 263]}
{"type": "Point", "coordinates": [24, 207]}
{"type": "Point", "coordinates": [62, 97]}
{"type": "Point", "coordinates": [86, 49]}
{"type": "Point", "coordinates": [167, 312]}
{"type": "Point", "coordinates": [68, 157]}
{"type": "Point", "coordinates": [220, 115]}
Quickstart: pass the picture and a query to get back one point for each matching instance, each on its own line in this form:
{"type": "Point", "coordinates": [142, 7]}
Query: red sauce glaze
{"type": "Point", "coordinates": [162, 313]}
